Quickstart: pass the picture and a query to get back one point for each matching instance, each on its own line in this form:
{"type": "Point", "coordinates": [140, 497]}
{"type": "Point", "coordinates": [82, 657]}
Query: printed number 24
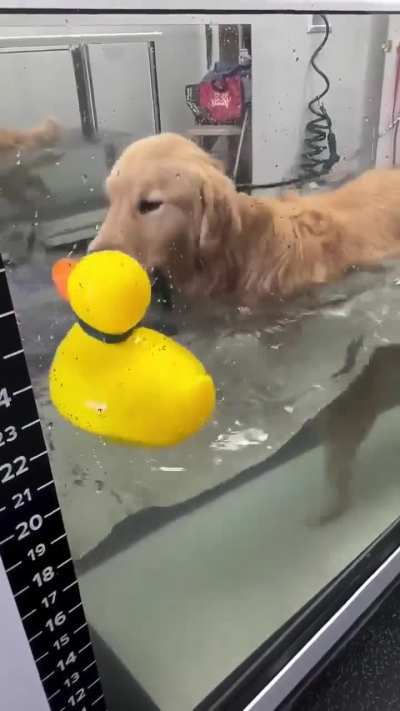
{"type": "Point", "coordinates": [5, 400]}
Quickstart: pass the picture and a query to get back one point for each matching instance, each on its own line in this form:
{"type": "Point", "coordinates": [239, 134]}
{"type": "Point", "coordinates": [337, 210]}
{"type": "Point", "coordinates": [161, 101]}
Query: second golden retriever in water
{"type": "Point", "coordinates": [172, 207]}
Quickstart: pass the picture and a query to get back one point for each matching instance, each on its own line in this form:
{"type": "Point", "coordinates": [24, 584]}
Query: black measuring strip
{"type": "Point", "coordinates": [33, 542]}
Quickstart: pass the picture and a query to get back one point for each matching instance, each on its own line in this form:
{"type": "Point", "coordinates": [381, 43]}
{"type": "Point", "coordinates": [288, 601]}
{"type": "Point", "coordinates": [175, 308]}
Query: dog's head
{"type": "Point", "coordinates": [171, 207]}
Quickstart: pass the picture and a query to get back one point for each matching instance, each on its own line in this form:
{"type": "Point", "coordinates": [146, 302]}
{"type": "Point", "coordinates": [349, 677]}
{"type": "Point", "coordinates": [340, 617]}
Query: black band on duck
{"type": "Point", "coordinates": [105, 337]}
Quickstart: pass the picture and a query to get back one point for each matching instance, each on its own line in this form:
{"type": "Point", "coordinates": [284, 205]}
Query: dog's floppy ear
{"type": "Point", "coordinates": [220, 212]}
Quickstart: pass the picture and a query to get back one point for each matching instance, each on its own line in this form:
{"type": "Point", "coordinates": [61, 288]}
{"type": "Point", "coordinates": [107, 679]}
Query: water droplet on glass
{"type": "Point", "coordinates": [289, 409]}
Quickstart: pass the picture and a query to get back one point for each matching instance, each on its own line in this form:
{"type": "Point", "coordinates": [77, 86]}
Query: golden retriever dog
{"type": "Point", "coordinates": [42, 136]}
{"type": "Point", "coordinates": [172, 207]}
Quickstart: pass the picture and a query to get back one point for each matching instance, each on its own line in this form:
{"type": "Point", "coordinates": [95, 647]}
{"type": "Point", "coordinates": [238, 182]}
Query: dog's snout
{"type": "Point", "coordinates": [106, 240]}
{"type": "Point", "coordinates": [103, 245]}
{"type": "Point", "coordinates": [93, 247]}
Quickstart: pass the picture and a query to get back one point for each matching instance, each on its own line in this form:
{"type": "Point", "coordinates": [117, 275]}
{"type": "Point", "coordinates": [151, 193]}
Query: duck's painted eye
{"type": "Point", "coordinates": [146, 206]}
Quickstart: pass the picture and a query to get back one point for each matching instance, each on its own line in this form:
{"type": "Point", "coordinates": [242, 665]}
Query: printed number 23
{"type": "Point", "coordinates": [8, 435]}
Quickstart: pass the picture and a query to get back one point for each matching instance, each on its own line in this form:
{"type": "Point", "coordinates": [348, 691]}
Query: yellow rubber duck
{"type": "Point", "coordinates": [109, 378]}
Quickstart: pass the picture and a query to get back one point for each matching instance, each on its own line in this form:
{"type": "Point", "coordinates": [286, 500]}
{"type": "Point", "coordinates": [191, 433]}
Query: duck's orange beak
{"type": "Point", "coordinates": [60, 274]}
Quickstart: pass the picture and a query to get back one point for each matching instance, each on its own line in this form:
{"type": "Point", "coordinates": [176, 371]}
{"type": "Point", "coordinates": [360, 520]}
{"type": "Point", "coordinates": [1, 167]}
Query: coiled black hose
{"type": "Point", "coordinates": [319, 134]}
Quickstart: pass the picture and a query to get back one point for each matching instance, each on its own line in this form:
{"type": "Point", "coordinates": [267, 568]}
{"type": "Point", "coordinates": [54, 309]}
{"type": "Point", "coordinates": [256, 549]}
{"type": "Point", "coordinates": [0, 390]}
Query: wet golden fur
{"type": "Point", "coordinates": [172, 207]}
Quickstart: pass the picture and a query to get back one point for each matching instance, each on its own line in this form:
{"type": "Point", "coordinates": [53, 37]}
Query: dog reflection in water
{"type": "Point", "coordinates": [46, 134]}
{"type": "Point", "coordinates": [346, 422]}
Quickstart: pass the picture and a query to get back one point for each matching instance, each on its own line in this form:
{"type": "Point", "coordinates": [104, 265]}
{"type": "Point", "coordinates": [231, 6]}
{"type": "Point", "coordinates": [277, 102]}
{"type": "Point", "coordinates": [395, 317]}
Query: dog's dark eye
{"type": "Point", "coordinates": [146, 206]}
